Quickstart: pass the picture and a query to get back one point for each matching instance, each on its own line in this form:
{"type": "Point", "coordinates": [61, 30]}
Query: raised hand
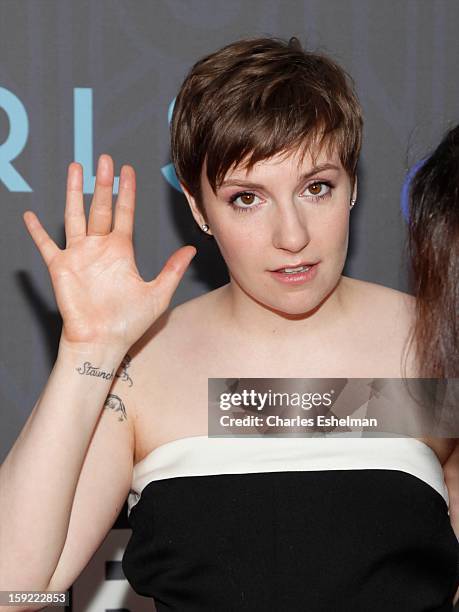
{"type": "Point", "coordinates": [100, 295]}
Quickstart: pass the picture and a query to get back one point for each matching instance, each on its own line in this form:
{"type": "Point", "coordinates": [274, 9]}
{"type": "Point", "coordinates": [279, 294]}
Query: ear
{"type": "Point", "coordinates": [198, 217]}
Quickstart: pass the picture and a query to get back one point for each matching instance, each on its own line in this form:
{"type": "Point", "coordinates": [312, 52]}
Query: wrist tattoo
{"type": "Point", "coordinates": [89, 370]}
{"type": "Point", "coordinates": [114, 402]}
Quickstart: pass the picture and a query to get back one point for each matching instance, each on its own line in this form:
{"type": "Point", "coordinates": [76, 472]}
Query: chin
{"type": "Point", "coordinates": [297, 303]}
{"type": "Point", "coordinates": [300, 310]}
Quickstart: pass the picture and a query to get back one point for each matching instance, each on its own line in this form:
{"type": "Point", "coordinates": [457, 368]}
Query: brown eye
{"type": "Point", "coordinates": [315, 188]}
{"type": "Point", "coordinates": [318, 190]}
{"type": "Point", "coordinates": [247, 198]}
{"type": "Point", "coordinates": [243, 201]}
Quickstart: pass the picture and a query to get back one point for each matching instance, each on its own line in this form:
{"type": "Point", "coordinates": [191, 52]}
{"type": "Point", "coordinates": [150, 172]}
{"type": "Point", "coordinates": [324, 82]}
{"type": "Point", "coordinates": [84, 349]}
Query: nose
{"type": "Point", "coordinates": [290, 229]}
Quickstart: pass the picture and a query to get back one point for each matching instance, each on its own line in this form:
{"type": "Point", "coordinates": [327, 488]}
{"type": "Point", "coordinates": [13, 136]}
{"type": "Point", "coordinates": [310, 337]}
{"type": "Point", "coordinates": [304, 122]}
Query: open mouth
{"type": "Point", "coordinates": [292, 268]}
{"type": "Point", "coordinates": [296, 274]}
{"type": "Point", "coordinates": [295, 270]}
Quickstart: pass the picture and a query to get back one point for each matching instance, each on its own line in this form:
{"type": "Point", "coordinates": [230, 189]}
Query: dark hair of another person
{"type": "Point", "coordinates": [256, 98]}
{"type": "Point", "coordinates": [433, 243]}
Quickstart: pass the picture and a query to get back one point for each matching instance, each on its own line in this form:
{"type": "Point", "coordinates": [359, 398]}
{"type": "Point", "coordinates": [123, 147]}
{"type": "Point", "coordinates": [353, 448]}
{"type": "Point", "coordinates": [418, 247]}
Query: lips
{"type": "Point", "coordinates": [296, 278]}
{"type": "Point", "coordinates": [297, 265]}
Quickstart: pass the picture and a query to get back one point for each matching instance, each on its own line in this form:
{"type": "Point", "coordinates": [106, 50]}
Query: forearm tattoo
{"type": "Point", "coordinates": [113, 402]}
{"type": "Point", "coordinates": [116, 403]}
{"type": "Point", "coordinates": [124, 365]}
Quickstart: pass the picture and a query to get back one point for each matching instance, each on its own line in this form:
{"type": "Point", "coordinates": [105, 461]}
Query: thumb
{"type": "Point", "coordinates": [165, 284]}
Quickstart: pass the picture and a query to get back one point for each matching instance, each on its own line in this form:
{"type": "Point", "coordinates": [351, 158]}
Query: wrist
{"type": "Point", "coordinates": [107, 355]}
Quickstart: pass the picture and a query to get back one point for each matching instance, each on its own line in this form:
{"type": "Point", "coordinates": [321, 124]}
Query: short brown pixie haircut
{"type": "Point", "coordinates": [255, 98]}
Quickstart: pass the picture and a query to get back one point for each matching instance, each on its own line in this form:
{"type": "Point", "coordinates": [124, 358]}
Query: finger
{"type": "Point", "coordinates": [100, 213]}
{"type": "Point", "coordinates": [170, 276]}
{"type": "Point", "coordinates": [125, 203]}
{"type": "Point", "coordinates": [47, 247]}
{"type": "Point", "coordinates": [74, 217]}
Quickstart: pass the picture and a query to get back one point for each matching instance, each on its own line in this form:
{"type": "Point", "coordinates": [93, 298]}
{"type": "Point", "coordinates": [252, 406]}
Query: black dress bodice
{"type": "Point", "coordinates": [329, 524]}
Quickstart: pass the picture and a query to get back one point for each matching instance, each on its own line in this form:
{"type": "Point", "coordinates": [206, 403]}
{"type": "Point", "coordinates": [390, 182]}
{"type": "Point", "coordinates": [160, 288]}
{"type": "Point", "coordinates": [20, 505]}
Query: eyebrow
{"type": "Point", "coordinates": [303, 177]}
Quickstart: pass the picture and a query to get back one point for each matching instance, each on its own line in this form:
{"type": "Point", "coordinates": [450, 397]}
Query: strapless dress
{"type": "Point", "coordinates": [329, 523]}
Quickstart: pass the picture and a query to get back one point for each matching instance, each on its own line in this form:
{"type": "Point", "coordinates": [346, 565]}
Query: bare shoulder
{"type": "Point", "coordinates": [163, 368]}
{"type": "Point", "coordinates": [384, 304]}
{"type": "Point", "coordinates": [384, 317]}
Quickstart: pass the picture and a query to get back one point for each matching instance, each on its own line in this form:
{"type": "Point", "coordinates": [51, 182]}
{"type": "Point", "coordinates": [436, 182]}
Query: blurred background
{"type": "Point", "coordinates": [81, 78]}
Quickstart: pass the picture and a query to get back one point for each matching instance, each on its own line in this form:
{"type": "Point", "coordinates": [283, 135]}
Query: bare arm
{"type": "Point", "coordinates": [69, 471]}
{"type": "Point", "coordinates": [39, 476]}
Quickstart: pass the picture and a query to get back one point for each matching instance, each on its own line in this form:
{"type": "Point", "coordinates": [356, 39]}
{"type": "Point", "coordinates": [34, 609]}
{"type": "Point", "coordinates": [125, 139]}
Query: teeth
{"type": "Point", "coordinates": [292, 270]}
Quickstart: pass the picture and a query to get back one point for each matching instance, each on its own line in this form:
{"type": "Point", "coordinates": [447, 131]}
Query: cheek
{"type": "Point", "coordinates": [334, 235]}
{"type": "Point", "coordinates": [238, 243]}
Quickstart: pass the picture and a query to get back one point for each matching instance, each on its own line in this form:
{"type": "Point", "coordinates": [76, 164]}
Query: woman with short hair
{"type": "Point", "coordinates": [265, 141]}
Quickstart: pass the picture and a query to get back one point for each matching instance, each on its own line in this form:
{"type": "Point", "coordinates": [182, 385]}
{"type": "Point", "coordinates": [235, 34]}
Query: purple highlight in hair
{"type": "Point", "coordinates": [405, 195]}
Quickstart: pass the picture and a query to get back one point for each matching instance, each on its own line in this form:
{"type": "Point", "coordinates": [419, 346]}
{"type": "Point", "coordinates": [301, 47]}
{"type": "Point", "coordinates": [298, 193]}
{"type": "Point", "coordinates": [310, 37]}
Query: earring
{"type": "Point", "coordinates": [352, 203]}
{"type": "Point", "coordinates": [205, 227]}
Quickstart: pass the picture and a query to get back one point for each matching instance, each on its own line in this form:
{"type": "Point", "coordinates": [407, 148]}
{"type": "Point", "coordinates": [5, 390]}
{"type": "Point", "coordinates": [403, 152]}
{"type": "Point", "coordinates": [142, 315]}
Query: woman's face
{"type": "Point", "coordinates": [279, 214]}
